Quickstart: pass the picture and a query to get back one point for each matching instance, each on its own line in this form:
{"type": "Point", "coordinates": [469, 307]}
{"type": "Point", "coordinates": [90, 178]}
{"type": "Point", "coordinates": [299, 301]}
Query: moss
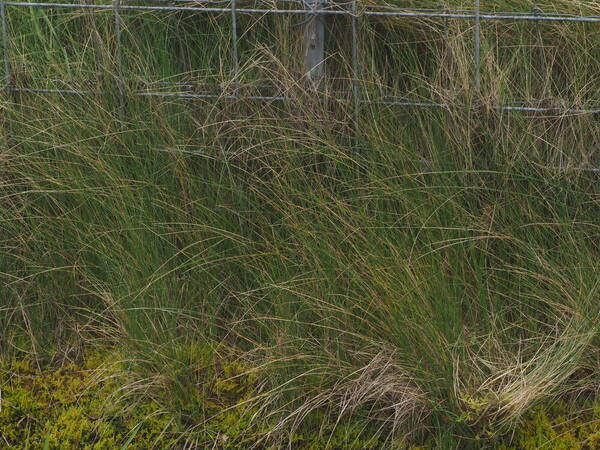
{"type": "Point", "coordinates": [21, 412]}
{"type": "Point", "coordinates": [73, 428]}
{"type": "Point", "coordinates": [348, 435]}
{"type": "Point", "coordinates": [67, 407]}
{"type": "Point", "coordinates": [559, 427]}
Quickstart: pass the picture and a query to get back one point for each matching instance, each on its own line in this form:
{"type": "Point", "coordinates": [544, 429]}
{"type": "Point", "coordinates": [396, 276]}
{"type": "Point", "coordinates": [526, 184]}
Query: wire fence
{"type": "Point", "coordinates": [312, 13]}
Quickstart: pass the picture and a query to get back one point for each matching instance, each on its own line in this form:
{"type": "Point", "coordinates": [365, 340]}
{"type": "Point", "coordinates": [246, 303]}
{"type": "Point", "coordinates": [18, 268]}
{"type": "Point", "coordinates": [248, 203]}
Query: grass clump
{"type": "Point", "coordinates": [311, 272]}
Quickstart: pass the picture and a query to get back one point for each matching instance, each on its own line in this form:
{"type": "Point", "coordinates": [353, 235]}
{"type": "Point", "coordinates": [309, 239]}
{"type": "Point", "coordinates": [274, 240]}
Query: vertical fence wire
{"type": "Point", "coordinates": [119, 55]}
{"type": "Point", "coordinates": [234, 44]}
{"type": "Point", "coordinates": [477, 49]}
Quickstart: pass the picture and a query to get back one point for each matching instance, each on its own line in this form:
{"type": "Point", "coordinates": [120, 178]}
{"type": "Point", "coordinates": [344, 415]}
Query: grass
{"type": "Point", "coordinates": [300, 273]}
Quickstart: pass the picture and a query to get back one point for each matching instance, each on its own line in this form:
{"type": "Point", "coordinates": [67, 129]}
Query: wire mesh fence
{"type": "Point", "coordinates": [314, 16]}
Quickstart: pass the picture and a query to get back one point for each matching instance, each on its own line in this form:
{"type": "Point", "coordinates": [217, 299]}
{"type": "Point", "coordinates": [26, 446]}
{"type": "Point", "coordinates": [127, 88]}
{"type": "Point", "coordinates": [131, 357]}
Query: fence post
{"type": "Point", "coordinates": [477, 50]}
{"type": "Point", "coordinates": [355, 66]}
{"type": "Point", "coordinates": [7, 72]}
{"type": "Point", "coordinates": [314, 42]}
{"type": "Point", "coordinates": [235, 53]}
{"type": "Point", "coordinates": [8, 77]}
{"type": "Point", "coordinates": [119, 56]}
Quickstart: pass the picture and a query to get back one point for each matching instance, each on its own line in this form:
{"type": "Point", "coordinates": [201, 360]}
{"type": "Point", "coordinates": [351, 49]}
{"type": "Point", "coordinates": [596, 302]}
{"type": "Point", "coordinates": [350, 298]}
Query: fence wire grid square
{"type": "Point", "coordinates": [307, 12]}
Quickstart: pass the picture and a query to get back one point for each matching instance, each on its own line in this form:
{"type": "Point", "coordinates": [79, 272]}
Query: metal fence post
{"type": "Point", "coordinates": [314, 41]}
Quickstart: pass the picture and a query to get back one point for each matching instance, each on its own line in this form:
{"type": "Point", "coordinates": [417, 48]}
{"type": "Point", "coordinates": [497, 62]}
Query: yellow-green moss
{"type": "Point", "coordinates": [71, 407]}
{"type": "Point", "coordinates": [66, 409]}
{"type": "Point", "coordinates": [559, 427]}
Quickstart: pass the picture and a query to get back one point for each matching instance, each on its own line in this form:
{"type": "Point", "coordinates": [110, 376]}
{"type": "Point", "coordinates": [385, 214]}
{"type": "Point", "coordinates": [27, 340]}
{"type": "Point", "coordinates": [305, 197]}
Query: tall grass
{"type": "Point", "coordinates": [425, 271]}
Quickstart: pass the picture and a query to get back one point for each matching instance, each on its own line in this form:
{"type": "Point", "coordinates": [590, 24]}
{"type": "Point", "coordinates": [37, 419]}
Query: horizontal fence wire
{"type": "Point", "coordinates": [368, 12]}
{"type": "Point", "coordinates": [299, 7]}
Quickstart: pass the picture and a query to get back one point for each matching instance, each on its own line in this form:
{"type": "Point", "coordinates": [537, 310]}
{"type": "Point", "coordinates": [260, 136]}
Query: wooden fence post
{"type": "Point", "coordinates": [5, 46]}
{"type": "Point", "coordinates": [314, 43]}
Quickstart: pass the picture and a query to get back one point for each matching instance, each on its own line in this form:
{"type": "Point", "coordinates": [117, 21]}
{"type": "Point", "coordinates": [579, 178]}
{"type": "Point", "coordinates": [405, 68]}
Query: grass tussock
{"type": "Point", "coordinates": [308, 272]}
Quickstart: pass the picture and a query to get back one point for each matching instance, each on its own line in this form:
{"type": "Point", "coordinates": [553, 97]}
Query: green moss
{"type": "Point", "coordinates": [20, 412]}
{"type": "Point", "coordinates": [559, 427]}
{"type": "Point", "coordinates": [71, 408]}
{"type": "Point", "coordinates": [349, 435]}
{"type": "Point", "coordinates": [67, 408]}
{"type": "Point", "coordinates": [73, 428]}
